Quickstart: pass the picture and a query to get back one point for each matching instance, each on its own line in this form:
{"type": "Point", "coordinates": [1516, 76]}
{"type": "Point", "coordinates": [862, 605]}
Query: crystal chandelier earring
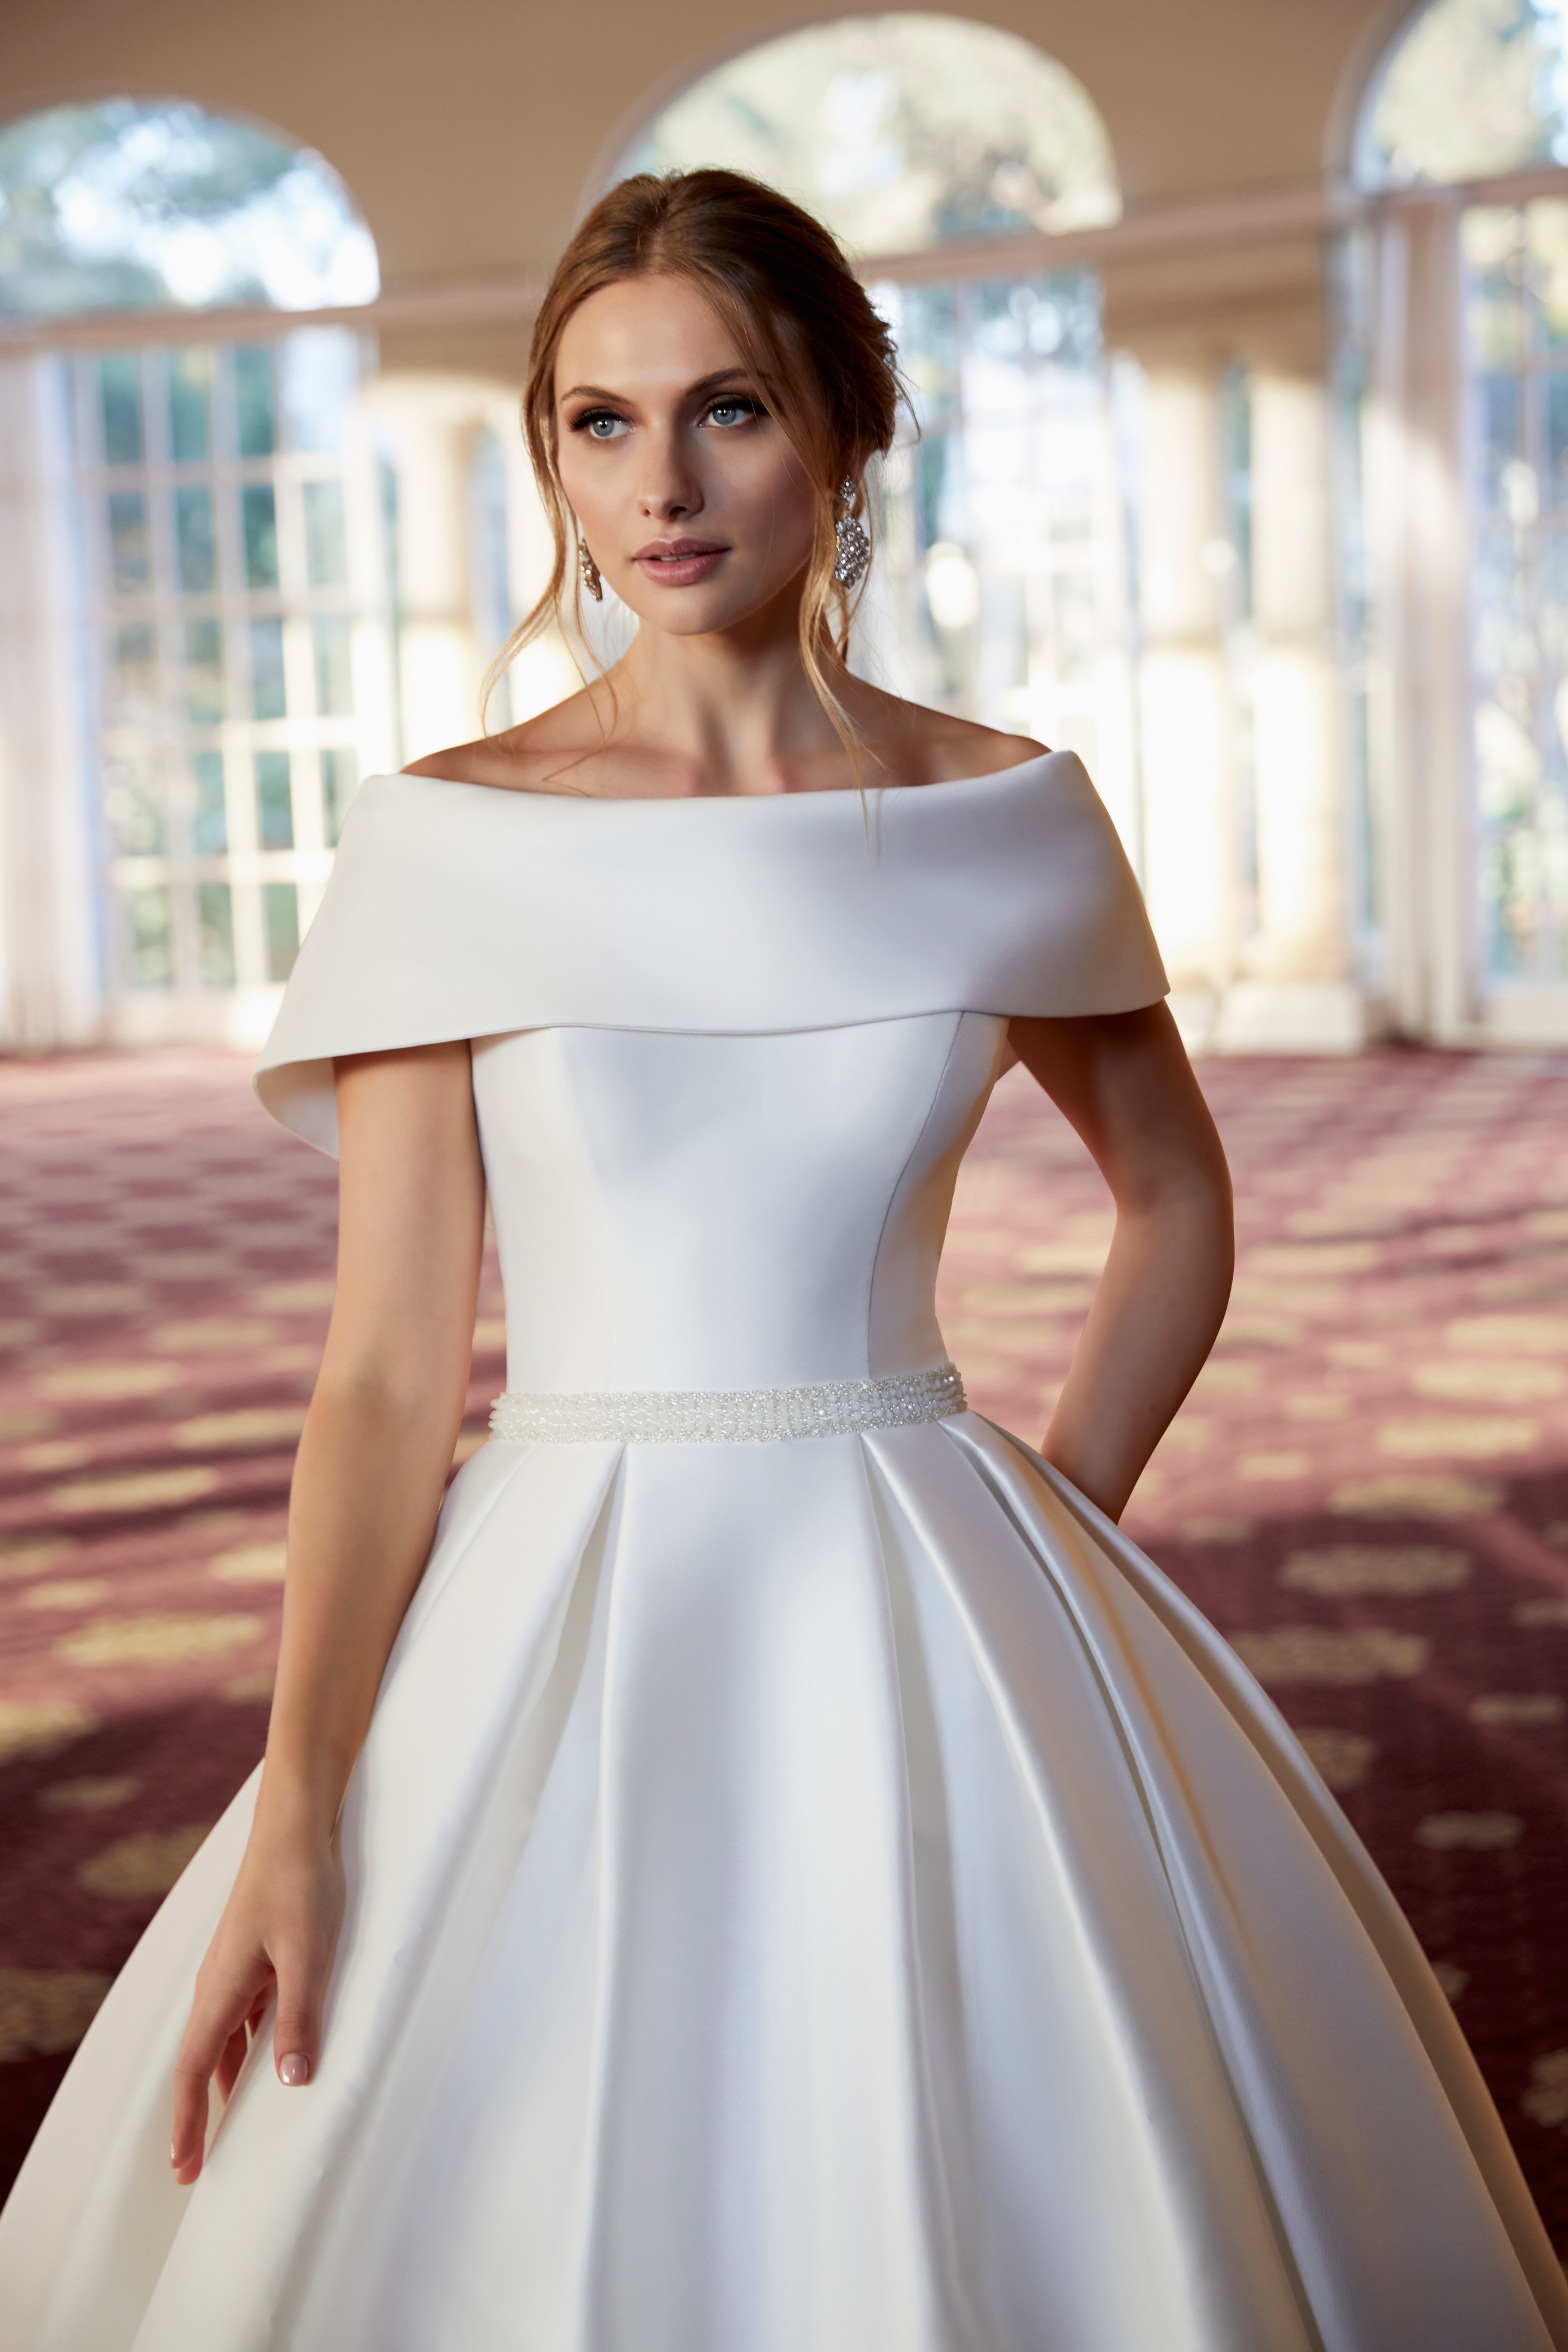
{"type": "Point", "coordinates": [590, 572]}
{"type": "Point", "coordinates": [854, 547]}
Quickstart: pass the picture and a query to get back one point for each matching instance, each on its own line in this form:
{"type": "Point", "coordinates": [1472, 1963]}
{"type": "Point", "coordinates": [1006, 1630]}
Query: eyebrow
{"type": "Point", "coordinates": [693, 390]}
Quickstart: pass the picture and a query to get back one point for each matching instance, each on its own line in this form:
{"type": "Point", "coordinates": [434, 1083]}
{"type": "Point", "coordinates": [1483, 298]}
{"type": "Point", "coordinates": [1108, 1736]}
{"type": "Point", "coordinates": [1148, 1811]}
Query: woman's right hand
{"type": "Point", "coordinates": [275, 1941]}
{"type": "Point", "coordinates": [372, 1467]}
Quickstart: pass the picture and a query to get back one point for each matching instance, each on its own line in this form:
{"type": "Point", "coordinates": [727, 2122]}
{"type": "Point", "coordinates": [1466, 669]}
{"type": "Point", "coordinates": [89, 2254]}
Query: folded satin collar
{"type": "Point", "coordinates": [457, 910]}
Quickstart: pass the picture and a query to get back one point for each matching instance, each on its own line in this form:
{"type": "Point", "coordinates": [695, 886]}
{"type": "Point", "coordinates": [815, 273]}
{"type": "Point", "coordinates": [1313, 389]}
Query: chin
{"type": "Point", "coordinates": [694, 613]}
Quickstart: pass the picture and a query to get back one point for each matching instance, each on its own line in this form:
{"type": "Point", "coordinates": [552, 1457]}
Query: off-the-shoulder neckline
{"type": "Point", "coordinates": [723, 800]}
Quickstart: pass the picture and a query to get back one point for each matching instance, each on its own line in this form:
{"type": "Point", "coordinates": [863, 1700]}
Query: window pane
{"type": "Point", "coordinates": [1552, 820]}
{"type": "Point", "coordinates": [190, 406]}
{"type": "Point", "coordinates": [267, 690]}
{"type": "Point", "coordinates": [255, 401]}
{"type": "Point", "coordinates": [133, 805]}
{"type": "Point", "coordinates": [1500, 435]}
{"type": "Point", "coordinates": [215, 926]}
{"type": "Point", "coordinates": [1510, 869]}
{"type": "Point", "coordinates": [209, 823]}
{"type": "Point", "coordinates": [1508, 765]}
{"type": "Point", "coordinates": [274, 801]}
{"type": "Point", "coordinates": [492, 557]}
{"type": "Point", "coordinates": [1554, 392]}
{"type": "Point", "coordinates": [150, 937]}
{"type": "Point", "coordinates": [128, 550]}
{"type": "Point", "coordinates": [340, 782]}
{"type": "Point", "coordinates": [326, 548]}
{"type": "Point", "coordinates": [132, 674]}
{"type": "Point", "coordinates": [1518, 580]}
{"type": "Point", "coordinates": [334, 667]}
{"type": "Point", "coordinates": [1495, 293]}
{"type": "Point", "coordinates": [194, 540]}
{"type": "Point", "coordinates": [203, 673]}
{"type": "Point", "coordinates": [319, 367]}
{"type": "Point", "coordinates": [392, 545]}
{"type": "Point", "coordinates": [260, 515]}
{"type": "Point", "coordinates": [119, 393]}
{"type": "Point", "coordinates": [281, 906]}
{"type": "Point", "coordinates": [1500, 594]}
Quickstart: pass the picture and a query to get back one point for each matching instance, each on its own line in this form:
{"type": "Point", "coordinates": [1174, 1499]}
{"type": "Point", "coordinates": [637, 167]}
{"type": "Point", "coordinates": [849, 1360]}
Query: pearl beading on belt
{"type": "Point", "coordinates": [728, 1416]}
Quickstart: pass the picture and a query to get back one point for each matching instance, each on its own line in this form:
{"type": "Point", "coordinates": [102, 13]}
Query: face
{"type": "Point", "coordinates": [694, 506]}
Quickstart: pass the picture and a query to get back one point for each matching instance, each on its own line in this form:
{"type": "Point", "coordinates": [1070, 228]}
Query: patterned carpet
{"type": "Point", "coordinates": [1367, 1492]}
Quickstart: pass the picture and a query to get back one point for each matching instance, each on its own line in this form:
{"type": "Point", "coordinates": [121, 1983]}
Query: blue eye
{"type": "Point", "coordinates": [599, 423]}
{"type": "Point", "coordinates": [726, 413]}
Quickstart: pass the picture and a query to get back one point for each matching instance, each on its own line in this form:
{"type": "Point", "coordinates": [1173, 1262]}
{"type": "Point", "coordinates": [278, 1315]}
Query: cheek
{"type": "Point", "coordinates": [777, 490]}
{"type": "Point", "coordinates": [583, 491]}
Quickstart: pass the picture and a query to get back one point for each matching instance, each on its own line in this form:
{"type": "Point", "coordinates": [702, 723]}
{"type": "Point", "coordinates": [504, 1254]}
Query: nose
{"type": "Point", "coordinates": [670, 491]}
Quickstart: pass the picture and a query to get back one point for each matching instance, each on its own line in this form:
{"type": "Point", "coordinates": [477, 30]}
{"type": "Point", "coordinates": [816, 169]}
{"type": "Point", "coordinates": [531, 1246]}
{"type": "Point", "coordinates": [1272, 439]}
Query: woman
{"type": "Point", "coordinates": [765, 1866]}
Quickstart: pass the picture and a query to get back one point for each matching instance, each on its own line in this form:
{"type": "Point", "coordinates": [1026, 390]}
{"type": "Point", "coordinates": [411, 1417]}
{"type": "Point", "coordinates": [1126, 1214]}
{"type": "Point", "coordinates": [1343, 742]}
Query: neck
{"type": "Point", "coordinates": [737, 705]}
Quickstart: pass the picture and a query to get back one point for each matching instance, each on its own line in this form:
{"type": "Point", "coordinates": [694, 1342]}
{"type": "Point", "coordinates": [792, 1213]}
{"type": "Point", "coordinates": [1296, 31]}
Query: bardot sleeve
{"type": "Point", "coordinates": [458, 911]}
{"type": "Point", "coordinates": [382, 965]}
{"type": "Point", "coordinates": [1057, 913]}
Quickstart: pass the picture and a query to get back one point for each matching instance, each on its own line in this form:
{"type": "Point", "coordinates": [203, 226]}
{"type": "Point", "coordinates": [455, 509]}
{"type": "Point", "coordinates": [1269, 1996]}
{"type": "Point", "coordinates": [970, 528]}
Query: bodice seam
{"type": "Point", "coordinates": [898, 1185]}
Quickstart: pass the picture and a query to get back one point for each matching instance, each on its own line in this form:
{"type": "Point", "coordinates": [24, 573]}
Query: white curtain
{"type": "Point", "coordinates": [49, 990]}
{"type": "Point", "coordinates": [1418, 566]}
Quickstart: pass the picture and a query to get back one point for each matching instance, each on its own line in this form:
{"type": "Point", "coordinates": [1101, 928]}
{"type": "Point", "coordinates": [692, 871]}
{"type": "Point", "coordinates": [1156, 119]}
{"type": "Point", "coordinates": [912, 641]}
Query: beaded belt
{"type": "Point", "coordinates": [729, 1416]}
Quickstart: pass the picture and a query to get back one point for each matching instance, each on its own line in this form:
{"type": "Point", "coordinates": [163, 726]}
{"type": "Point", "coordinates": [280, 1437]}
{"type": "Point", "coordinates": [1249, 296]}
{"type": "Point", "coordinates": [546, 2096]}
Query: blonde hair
{"type": "Point", "coordinates": [819, 351]}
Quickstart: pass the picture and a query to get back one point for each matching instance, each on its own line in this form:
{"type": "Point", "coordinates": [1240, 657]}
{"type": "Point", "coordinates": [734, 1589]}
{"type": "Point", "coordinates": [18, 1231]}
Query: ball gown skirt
{"type": "Point", "coordinates": [823, 1893]}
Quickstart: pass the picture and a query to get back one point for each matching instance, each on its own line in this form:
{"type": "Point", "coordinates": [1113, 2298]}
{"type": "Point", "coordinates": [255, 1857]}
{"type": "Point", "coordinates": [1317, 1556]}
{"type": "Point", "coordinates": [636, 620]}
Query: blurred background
{"type": "Point", "coordinates": [1238, 340]}
{"type": "Point", "coordinates": [1236, 333]}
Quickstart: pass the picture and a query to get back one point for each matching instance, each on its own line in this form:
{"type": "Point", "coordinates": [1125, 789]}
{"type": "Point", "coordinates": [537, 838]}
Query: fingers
{"type": "Point", "coordinates": [296, 2028]}
{"type": "Point", "coordinates": [232, 2059]}
{"type": "Point", "coordinates": [276, 1940]}
{"type": "Point", "coordinates": [217, 2018]}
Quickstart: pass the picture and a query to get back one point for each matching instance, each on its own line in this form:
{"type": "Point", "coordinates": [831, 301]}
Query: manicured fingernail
{"type": "Point", "coordinates": [294, 2070]}
{"type": "Point", "coordinates": [174, 2153]}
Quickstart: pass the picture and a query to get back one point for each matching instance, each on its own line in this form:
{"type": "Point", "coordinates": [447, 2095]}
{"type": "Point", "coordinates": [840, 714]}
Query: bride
{"type": "Point", "coordinates": [764, 1866]}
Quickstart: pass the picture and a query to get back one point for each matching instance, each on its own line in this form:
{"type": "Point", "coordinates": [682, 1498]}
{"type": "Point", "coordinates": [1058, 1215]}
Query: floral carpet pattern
{"type": "Point", "coordinates": [1367, 1491]}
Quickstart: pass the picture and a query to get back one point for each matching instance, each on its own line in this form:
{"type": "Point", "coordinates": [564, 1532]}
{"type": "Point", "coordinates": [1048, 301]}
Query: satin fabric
{"type": "Point", "coordinates": [457, 912]}
{"type": "Point", "coordinates": [824, 1897]}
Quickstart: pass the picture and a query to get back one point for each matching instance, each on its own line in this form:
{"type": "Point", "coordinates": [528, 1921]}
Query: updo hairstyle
{"type": "Point", "coordinates": [822, 360]}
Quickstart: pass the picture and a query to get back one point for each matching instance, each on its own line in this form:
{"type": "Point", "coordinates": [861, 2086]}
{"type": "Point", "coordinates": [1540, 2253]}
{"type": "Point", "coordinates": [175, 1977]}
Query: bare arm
{"type": "Point", "coordinates": [368, 1481]}
{"type": "Point", "coordinates": [1125, 1083]}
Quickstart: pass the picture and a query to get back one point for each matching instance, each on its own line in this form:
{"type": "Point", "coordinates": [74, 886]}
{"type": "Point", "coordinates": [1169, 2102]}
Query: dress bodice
{"type": "Point", "coordinates": [680, 1211]}
{"type": "Point", "coordinates": [727, 1054]}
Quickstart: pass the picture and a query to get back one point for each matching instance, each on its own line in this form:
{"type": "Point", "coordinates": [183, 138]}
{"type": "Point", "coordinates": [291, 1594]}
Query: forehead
{"type": "Point", "coordinates": [653, 331]}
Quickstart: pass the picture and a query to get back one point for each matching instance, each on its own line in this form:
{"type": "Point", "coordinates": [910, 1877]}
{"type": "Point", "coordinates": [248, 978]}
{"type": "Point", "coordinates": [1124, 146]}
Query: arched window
{"type": "Point", "coordinates": [131, 205]}
{"type": "Point", "coordinates": [1469, 89]}
{"type": "Point", "coordinates": [999, 590]}
{"type": "Point", "coordinates": [899, 132]}
{"type": "Point", "coordinates": [229, 617]}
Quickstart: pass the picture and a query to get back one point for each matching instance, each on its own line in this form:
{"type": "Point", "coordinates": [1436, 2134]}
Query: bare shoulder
{"type": "Point", "coordinates": [479, 762]}
{"type": "Point", "coordinates": [917, 746]}
{"type": "Point", "coordinates": [537, 756]}
{"type": "Point", "coordinates": [970, 749]}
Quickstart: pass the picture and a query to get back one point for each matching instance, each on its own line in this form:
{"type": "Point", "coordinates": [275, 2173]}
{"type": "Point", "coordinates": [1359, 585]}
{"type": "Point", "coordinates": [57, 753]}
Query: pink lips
{"type": "Point", "coordinates": [680, 563]}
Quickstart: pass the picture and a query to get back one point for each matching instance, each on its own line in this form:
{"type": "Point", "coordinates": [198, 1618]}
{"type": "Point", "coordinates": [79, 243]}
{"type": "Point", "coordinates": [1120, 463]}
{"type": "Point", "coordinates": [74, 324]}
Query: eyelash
{"type": "Point", "coordinates": [742, 400]}
{"type": "Point", "coordinates": [739, 400]}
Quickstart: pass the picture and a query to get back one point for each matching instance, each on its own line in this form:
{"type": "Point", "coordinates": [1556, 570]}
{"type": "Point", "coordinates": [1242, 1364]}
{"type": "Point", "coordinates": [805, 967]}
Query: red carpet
{"type": "Point", "coordinates": [1368, 1491]}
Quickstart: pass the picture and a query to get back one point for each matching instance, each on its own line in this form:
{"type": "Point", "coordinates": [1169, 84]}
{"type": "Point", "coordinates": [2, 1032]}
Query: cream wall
{"type": "Point", "coordinates": [468, 131]}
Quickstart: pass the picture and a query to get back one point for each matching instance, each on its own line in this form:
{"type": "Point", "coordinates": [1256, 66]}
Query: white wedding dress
{"type": "Point", "coordinates": [817, 1892]}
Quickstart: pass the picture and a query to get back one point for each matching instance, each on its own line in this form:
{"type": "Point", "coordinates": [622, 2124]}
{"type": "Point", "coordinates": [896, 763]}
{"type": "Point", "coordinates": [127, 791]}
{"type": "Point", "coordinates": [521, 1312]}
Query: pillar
{"type": "Point", "coordinates": [50, 989]}
{"type": "Point", "coordinates": [1297, 988]}
{"type": "Point", "coordinates": [1184, 702]}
